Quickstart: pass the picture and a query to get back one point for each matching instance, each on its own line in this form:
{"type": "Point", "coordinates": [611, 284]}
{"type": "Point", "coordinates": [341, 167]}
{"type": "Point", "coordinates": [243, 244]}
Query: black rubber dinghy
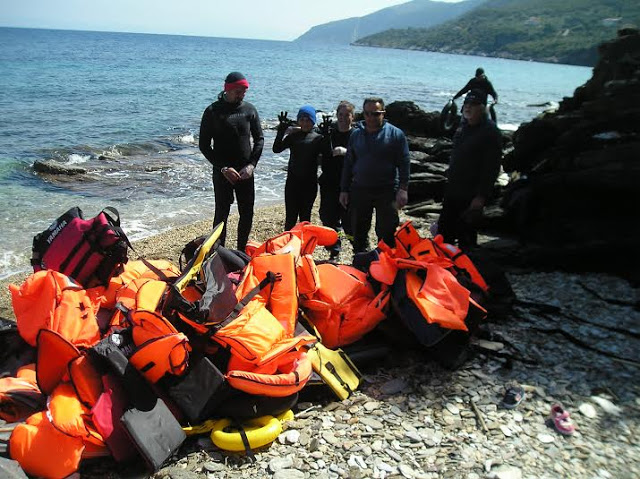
{"type": "Point", "coordinates": [449, 117]}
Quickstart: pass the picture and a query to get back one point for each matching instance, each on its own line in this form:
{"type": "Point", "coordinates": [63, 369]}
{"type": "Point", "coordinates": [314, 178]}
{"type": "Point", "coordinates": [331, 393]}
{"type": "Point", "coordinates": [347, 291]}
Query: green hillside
{"type": "Point", "coordinates": [559, 31]}
{"type": "Point", "coordinates": [416, 13]}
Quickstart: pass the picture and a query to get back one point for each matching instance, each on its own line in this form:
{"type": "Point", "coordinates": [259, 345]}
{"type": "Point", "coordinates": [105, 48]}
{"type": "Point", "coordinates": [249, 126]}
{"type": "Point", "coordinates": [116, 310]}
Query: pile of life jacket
{"type": "Point", "coordinates": [432, 288]}
{"type": "Point", "coordinates": [123, 365]}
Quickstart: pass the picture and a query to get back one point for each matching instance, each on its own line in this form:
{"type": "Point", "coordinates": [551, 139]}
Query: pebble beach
{"type": "Point", "coordinates": [572, 339]}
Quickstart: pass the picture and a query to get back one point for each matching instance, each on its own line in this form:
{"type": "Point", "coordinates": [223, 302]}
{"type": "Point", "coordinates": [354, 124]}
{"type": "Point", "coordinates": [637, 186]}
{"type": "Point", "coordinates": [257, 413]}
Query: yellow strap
{"type": "Point", "coordinates": [203, 252]}
{"type": "Point", "coordinates": [203, 428]}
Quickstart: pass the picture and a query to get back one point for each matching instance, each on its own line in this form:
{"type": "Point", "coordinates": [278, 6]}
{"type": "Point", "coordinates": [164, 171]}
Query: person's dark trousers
{"type": "Point", "coordinates": [452, 224]}
{"type": "Point", "coordinates": [245, 195]}
{"type": "Point", "coordinates": [332, 214]}
{"type": "Point", "coordinates": [362, 202]}
{"type": "Point", "coordinates": [299, 195]}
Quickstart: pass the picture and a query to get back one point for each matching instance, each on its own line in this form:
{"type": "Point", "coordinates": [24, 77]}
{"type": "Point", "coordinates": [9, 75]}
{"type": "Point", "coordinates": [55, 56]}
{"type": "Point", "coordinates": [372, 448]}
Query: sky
{"type": "Point", "coordinates": [260, 19]}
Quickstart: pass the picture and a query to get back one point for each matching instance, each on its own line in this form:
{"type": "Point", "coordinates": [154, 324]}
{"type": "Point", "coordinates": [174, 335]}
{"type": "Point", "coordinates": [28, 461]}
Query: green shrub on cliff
{"type": "Point", "coordinates": [567, 31]}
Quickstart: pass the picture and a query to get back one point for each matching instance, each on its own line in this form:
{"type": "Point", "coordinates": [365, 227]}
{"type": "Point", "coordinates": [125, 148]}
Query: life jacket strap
{"type": "Point", "coordinates": [245, 440]}
{"type": "Point", "coordinates": [270, 279]}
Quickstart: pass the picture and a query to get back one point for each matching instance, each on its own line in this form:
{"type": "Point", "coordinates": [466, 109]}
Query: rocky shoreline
{"type": "Point", "coordinates": [411, 418]}
{"type": "Point", "coordinates": [568, 338]}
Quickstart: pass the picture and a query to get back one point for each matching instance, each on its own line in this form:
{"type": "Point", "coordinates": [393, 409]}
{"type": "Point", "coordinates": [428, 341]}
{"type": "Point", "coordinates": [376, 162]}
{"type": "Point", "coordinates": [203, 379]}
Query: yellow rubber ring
{"type": "Point", "coordinates": [203, 428]}
{"type": "Point", "coordinates": [259, 431]}
{"type": "Point", "coordinates": [286, 416]}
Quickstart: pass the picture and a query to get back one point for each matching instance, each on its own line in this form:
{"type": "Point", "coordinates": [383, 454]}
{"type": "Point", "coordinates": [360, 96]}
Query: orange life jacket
{"type": "Point", "coordinates": [345, 307]}
{"type": "Point", "coordinates": [160, 348]}
{"type": "Point", "coordinates": [300, 240]}
{"type": "Point", "coordinates": [20, 396]}
{"type": "Point", "coordinates": [281, 299]}
{"type": "Point", "coordinates": [284, 375]}
{"type": "Point", "coordinates": [439, 297]}
{"type": "Point", "coordinates": [135, 270]}
{"type": "Point", "coordinates": [410, 245]}
{"type": "Point", "coordinates": [51, 300]}
{"type": "Point", "coordinates": [42, 450]}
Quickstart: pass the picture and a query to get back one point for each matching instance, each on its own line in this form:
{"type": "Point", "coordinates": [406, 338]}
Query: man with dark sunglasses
{"type": "Point", "coordinates": [375, 176]}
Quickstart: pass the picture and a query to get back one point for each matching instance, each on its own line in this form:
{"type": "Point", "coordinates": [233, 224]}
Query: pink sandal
{"type": "Point", "coordinates": [561, 420]}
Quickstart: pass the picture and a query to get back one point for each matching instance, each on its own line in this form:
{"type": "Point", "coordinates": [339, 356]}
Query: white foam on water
{"type": "Point", "coordinates": [187, 139]}
{"type": "Point", "coordinates": [75, 159]}
{"type": "Point", "coordinates": [116, 174]}
{"type": "Point", "coordinates": [12, 263]}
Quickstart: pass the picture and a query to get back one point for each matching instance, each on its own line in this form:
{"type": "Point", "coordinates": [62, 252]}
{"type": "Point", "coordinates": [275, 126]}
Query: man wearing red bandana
{"type": "Point", "coordinates": [227, 128]}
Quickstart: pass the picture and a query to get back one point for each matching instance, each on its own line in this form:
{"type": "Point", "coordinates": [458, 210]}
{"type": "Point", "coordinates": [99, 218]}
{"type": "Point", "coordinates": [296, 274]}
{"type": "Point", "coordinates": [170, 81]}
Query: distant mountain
{"type": "Point", "coordinates": [567, 31]}
{"type": "Point", "coordinates": [417, 14]}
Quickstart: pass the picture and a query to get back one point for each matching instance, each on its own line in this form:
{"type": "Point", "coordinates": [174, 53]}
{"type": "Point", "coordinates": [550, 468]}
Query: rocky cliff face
{"type": "Point", "coordinates": [580, 166]}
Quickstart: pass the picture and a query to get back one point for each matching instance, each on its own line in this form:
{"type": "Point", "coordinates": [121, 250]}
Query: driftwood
{"type": "Point", "coordinates": [478, 414]}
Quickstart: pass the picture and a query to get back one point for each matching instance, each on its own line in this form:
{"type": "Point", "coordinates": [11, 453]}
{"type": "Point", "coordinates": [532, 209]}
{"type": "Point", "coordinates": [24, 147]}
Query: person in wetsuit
{"type": "Point", "coordinates": [306, 146]}
{"type": "Point", "coordinates": [375, 176]}
{"type": "Point", "coordinates": [473, 169]}
{"type": "Point", "coordinates": [479, 82]}
{"type": "Point", "coordinates": [229, 124]}
{"type": "Point", "coordinates": [332, 213]}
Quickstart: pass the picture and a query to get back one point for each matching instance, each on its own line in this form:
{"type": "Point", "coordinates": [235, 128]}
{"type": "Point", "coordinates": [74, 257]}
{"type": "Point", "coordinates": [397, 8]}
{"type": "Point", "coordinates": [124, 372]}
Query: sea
{"type": "Point", "coordinates": [126, 108]}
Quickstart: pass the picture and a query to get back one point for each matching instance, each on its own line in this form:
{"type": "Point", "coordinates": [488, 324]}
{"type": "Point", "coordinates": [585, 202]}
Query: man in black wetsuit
{"type": "Point", "coordinates": [479, 82]}
{"type": "Point", "coordinates": [305, 145]}
{"type": "Point", "coordinates": [332, 213]}
{"type": "Point", "coordinates": [230, 123]}
{"type": "Point", "coordinates": [473, 169]}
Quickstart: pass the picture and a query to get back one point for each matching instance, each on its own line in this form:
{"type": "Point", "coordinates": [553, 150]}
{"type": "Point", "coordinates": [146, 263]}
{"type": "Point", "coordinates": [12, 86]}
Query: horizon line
{"type": "Point", "coordinates": [140, 33]}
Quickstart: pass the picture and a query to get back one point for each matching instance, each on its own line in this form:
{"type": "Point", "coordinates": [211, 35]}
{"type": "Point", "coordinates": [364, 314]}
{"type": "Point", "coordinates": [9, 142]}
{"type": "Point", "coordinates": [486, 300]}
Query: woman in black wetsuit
{"type": "Point", "coordinates": [332, 213]}
{"type": "Point", "coordinates": [305, 145]}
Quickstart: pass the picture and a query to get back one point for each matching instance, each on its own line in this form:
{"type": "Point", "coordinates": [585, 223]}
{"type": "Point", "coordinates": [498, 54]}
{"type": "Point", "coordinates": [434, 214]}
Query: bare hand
{"type": "Point", "coordinates": [339, 151]}
{"type": "Point", "coordinates": [246, 172]}
{"type": "Point", "coordinates": [402, 197]}
{"type": "Point", "coordinates": [344, 199]}
{"type": "Point", "coordinates": [231, 175]}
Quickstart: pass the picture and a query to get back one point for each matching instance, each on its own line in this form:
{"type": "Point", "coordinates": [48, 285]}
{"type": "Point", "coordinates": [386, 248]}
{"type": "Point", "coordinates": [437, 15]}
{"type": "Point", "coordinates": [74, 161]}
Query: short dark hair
{"type": "Point", "coordinates": [373, 100]}
{"type": "Point", "coordinates": [479, 71]}
{"type": "Point", "coordinates": [346, 104]}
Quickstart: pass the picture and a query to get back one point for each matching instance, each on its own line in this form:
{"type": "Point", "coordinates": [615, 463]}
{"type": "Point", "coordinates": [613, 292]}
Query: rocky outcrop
{"type": "Point", "coordinates": [579, 167]}
{"type": "Point", "coordinates": [53, 167]}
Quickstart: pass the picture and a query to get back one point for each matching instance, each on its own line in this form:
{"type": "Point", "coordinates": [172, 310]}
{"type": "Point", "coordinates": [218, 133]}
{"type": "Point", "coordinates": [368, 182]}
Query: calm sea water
{"type": "Point", "coordinates": [127, 107]}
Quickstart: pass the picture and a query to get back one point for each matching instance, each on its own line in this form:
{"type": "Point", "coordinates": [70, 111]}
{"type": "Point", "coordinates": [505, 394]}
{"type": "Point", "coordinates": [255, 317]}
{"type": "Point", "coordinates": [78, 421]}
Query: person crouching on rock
{"type": "Point", "coordinates": [473, 169]}
{"type": "Point", "coordinates": [305, 145]}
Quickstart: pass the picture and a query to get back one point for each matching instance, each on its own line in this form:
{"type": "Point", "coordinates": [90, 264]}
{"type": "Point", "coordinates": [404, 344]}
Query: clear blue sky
{"type": "Point", "coordinates": [263, 19]}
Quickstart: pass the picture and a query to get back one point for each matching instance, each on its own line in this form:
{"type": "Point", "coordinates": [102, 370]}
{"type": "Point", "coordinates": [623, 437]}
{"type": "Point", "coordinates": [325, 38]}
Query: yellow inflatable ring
{"type": "Point", "coordinates": [260, 432]}
{"type": "Point", "coordinates": [286, 416]}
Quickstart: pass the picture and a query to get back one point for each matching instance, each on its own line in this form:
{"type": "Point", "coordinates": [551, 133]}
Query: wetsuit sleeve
{"type": "Point", "coordinates": [281, 143]}
{"type": "Point", "coordinates": [347, 169]}
{"type": "Point", "coordinates": [258, 139]}
{"type": "Point", "coordinates": [402, 160]}
{"type": "Point", "coordinates": [491, 91]}
{"type": "Point", "coordinates": [206, 135]}
{"type": "Point", "coordinates": [490, 165]}
{"type": "Point", "coordinates": [464, 90]}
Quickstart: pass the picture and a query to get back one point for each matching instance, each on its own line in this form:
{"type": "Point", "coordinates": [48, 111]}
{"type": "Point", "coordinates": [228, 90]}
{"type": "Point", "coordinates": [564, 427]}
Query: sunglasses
{"type": "Point", "coordinates": [374, 113]}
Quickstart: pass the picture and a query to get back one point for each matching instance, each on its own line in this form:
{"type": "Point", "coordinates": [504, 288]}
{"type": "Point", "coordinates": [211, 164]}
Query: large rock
{"type": "Point", "coordinates": [53, 167]}
{"type": "Point", "coordinates": [410, 118]}
{"type": "Point", "coordinates": [582, 168]}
